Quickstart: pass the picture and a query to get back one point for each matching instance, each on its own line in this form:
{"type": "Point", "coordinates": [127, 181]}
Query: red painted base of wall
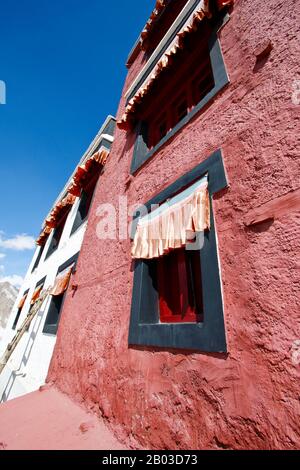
{"type": "Point", "coordinates": [172, 399]}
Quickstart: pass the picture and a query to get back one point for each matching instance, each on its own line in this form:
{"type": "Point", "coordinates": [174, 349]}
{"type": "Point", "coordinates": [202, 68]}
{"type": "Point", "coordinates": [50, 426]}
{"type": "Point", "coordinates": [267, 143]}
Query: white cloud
{"type": "Point", "coordinates": [2, 255]}
{"type": "Point", "coordinates": [15, 280]}
{"type": "Point", "coordinates": [19, 242]}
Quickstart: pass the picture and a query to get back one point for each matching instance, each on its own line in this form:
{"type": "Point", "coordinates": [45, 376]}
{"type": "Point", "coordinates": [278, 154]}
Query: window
{"type": "Point", "coordinates": [37, 291]}
{"type": "Point", "coordinates": [20, 308]}
{"type": "Point", "coordinates": [53, 316]}
{"type": "Point", "coordinates": [177, 299]}
{"type": "Point", "coordinates": [178, 94]}
{"type": "Point", "coordinates": [57, 232]}
{"type": "Point", "coordinates": [86, 199]}
{"type": "Point", "coordinates": [181, 91]}
{"type": "Point", "coordinates": [17, 318]}
{"type": "Point", "coordinates": [193, 90]}
{"type": "Point", "coordinates": [38, 258]}
{"type": "Point", "coordinates": [57, 301]}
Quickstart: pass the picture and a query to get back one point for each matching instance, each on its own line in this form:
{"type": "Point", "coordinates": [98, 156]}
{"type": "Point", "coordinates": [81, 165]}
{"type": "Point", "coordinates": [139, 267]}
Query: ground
{"type": "Point", "coordinates": [49, 420]}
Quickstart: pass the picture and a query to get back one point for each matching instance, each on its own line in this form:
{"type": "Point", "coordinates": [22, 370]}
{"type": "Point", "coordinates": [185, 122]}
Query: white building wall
{"type": "Point", "coordinates": [28, 366]}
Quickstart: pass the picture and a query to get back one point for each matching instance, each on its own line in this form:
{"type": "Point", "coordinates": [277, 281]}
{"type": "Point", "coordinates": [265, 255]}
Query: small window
{"type": "Point", "coordinates": [38, 258]}
{"type": "Point", "coordinates": [57, 301]}
{"type": "Point", "coordinates": [20, 308]}
{"type": "Point", "coordinates": [180, 109]}
{"type": "Point", "coordinates": [57, 233]}
{"type": "Point", "coordinates": [85, 201]}
{"type": "Point", "coordinates": [52, 320]}
{"type": "Point", "coordinates": [17, 318]}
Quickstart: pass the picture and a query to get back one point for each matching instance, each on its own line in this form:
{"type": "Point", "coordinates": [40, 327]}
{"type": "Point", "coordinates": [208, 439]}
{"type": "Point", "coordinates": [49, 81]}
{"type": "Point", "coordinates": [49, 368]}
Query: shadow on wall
{"type": "Point", "coordinates": [180, 352]}
{"type": "Point", "coordinates": [24, 360]}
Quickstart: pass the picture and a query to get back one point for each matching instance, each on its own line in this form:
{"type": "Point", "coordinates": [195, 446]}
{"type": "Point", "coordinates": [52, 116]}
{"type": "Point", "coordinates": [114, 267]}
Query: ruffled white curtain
{"type": "Point", "coordinates": [174, 224]}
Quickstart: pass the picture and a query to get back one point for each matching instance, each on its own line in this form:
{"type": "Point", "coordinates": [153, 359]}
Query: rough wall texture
{"type": "Point", "coordinates": [172, 399]}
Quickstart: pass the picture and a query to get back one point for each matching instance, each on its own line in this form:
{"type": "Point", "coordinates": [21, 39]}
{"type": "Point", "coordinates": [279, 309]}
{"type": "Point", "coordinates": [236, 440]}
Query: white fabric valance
{"type": "Point", "coordinates": [174, 223]}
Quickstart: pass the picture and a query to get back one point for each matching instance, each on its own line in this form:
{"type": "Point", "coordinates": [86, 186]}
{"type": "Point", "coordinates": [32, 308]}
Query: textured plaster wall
{"type": "Point", "coordinates": [175, 399]}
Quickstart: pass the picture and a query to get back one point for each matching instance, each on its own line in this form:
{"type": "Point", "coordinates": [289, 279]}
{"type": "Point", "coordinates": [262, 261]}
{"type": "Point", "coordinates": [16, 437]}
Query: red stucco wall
{"type": "Point", "coordinates": [250, 398]}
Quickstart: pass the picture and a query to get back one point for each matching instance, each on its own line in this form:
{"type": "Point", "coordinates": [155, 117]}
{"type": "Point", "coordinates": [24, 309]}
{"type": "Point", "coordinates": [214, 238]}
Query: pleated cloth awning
{"type": "Point", "coordinates": [22, 301]}
{"type": "Point", "coordinates": [174, 223]}
{"type": "Point", "coordinates": [164, 62]}
{"type": "Point", "coordinates": [36, 295]}
{"type": "Point", "coordinates": [74, 190]}
{"type": "Point", "coordinates": [202, 11]}
{"type": "Point", "coordinates": [56, 213]}
{"type": "Point", "coordinates": [54, 217]}
{"type": "Point", "coordinates": [61, 282]}
{"type": "Point", "coordinates": [82, 171]}
{"type": "Point", "coordinates": [159, 7]}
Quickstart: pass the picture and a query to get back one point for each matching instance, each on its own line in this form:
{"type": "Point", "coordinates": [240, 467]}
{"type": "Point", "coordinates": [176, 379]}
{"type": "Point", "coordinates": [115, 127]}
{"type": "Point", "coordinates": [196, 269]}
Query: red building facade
{"type": "Point", "coordinates": [220, 370]}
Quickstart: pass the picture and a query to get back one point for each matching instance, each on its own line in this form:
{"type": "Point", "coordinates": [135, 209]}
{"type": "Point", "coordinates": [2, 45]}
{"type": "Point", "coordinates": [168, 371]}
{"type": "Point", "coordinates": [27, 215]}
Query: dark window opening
{"type": "Point", "coordinates": [55, 308]}
{"type": "Point", "coordinates": [181, 109]}
{"type": "Point", "coordinates": [52, 320]}
{"type": "Point", "coordinates": [34, 299]}
{"type": "Point", "coordinates": [57, 233]}
{"type": "Point", "coordinates": [158, 130]}
{"type": "Point", "coordinates": [201, 84]}
{"type": "Point", "coordinates": [17, 318]}
{"type": "Point", "coordinates": [86, 199]}
{"type": "Point", "coordinates": [163, 129]}
{"type": "Point", "coordinates": [38, 258]}
{"type": "Point", "coordinates": [18, 313]}
{"type": "Point", "coordinates": [180, 287]}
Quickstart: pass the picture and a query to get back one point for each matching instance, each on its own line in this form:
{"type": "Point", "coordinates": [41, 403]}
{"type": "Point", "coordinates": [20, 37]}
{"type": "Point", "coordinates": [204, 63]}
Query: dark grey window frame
{"type": "Point", "coordinates": [51, 329]}
{"type": "Point", "coordinates": [208, 336]}
{"type": "Point", "coordinates": [141, 152]}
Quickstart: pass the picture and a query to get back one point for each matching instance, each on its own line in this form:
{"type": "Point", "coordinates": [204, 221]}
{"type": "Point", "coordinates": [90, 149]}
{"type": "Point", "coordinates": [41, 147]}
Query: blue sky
{"type": "Point", "coordinates": [63, 63]}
